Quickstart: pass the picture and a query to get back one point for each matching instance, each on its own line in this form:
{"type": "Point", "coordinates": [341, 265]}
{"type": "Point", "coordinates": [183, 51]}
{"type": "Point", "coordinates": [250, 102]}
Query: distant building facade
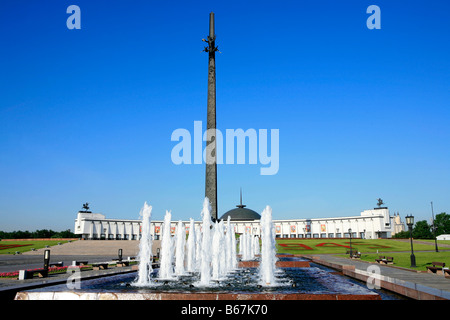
{"type": "Point", "coordinates": [370, 224]}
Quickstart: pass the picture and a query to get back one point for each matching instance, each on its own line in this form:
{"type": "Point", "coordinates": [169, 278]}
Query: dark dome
{"type": "Point", "coordinates": [241, 214]}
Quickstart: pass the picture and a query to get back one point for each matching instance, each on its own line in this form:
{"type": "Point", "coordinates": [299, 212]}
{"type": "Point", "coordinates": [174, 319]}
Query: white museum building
{"type": "Point", "coordinates": [370, 224]}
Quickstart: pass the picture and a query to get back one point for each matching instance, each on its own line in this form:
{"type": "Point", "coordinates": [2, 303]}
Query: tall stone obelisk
{"type": "Point", "coordinates": [211, 155]}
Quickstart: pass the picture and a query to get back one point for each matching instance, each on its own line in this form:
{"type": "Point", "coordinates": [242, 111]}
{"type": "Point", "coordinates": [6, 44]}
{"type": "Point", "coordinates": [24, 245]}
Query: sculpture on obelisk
{"type": "Point", "coordinates": [211, 155]}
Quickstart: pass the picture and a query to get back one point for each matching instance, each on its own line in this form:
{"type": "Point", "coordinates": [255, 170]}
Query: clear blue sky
{"type": "Point", "coordinates": [87, 115]}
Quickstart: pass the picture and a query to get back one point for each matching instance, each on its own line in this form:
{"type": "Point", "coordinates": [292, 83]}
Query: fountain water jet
{"type": "Point", "coordinates": [191, 247]}
{"type": "Point", "coordinates": [179, 255]}
{"type": "Point", "coordinates": [256, 249]}
{"type": "Point", "coordinates": [198, 249]}
{"type": "Point", "coordinates": [205, 266]}
{"type": "Point", "coordinates": [229, 247]}
{"type": "Point", "coordinates": [216, 249]}
{"type": "Point", "coordinates": [145, 255]}
{"type": "Point", "coordinates": [166, 261]}
{"type": "Point", "coordinates": [267, 266]}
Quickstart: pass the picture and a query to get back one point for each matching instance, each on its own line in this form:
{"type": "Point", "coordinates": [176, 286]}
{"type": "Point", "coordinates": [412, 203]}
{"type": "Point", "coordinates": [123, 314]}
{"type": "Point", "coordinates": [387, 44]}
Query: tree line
{"type": "Point", "coordinates": [44, 233]}
{"type": "Point", "coordinates": [423, 230]}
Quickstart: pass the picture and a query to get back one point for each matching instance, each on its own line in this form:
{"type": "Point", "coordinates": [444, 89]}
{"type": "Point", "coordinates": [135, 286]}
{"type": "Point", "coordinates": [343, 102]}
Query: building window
{"type": "Point", "coordinates": [338, 235]}
{"type": "Point", "coordinates": [323, 235]}
{"type": "Point", "coordinates": [315, 235]}
{"type": "Point", "coordinates": [331, 235]}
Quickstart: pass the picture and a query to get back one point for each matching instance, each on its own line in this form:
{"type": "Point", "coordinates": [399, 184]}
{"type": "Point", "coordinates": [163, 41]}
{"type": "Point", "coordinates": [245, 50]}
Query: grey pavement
{"type": "Point", "coordinates": [9, 263]}
{"type": "Point", "coordinates": [9, 287]}
{"type": "Point", "coordinates": [429, 283]}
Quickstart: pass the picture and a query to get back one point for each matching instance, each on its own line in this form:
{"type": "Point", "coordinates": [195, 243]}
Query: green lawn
{"type": "Point", "coordinates": [10, 247]}
{"type": "Point", "coordinates": [341, 246]}
{"type": "Point", "coordinates": [403, 259]}
{"type": "Point", "coordinates": [401, 251]}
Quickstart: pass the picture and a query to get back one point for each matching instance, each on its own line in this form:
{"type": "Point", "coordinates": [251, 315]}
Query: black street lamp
{"type": "Point", "coordinates": [410, 223]}
{"type": "Point", "coordinates": [434, 228]}
{"type": "Point", "coordinates": [350, 233]}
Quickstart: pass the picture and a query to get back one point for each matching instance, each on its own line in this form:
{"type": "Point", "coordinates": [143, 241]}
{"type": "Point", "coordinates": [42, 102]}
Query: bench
{"type": "Point", "coordinates": [385, 260]}
{"type": "Point", "coordinates": [123, 263]}
{"type": "Point", "coordinates": [446, 270]}
{"type": "Point", "coordinates": [100, 266]}
{"type": "Point", "coordinates": [57, 264]}
{"type": "Point", "coordinates": [29, 274]}
{"type": "Point", "coordinates": [436, 268]}
{"type": "Point", "coordinates": [79, 263]}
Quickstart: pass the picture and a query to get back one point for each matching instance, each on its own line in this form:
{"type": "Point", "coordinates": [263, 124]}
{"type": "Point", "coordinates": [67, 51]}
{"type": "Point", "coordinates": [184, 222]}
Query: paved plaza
{"type": "Point", "coordinates": [412, 284]}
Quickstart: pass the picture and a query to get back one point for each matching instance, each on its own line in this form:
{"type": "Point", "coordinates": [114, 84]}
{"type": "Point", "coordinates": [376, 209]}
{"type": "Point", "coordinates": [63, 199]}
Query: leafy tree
{"type": "Point", "coordinates": [44, 233]}
{"type": "Point", "coordinates": [442, 222]}
{"type": "Point", "coordinates": [65, 234]}
{"type": "Point", "coordinates": [422, 230]}
{"type": "Point", "coordinates": [401, 235]}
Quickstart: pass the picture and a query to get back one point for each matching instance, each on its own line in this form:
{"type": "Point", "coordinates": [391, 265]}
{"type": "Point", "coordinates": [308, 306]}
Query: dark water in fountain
{"type": "Point", "coordinates": [316, 279]}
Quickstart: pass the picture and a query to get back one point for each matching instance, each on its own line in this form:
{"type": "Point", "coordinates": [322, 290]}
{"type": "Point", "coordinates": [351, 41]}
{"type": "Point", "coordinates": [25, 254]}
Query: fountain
{"type": "Point", "coordinates": [145, 256]}
{"type": "Point", "coordinates": [217, 250]}
{"type": "Point", "coordinates": [166, 260]}
{"type": "Point", "coordinates": [268, 253]}
{"type": "Point", "coordinates": [191, 248]}
{"type": "Point", "coordinates": [205, 264]}
{"type": "Point", "coordinates": [206, 267]}
{"type": "Point", "coordinates": [179, 253]}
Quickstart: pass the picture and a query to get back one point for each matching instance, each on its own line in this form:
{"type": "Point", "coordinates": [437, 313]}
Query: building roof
{"type": "Point", "coordinates": [241, 213]}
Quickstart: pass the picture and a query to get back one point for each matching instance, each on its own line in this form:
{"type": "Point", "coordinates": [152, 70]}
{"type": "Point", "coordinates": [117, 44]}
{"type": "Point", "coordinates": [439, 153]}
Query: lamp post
{"type": "Point", "coordinates": [350, 233]}
{"type": "Point", "coordinates": [410, 223]}
{"type": "Point", "coordinates": [434, 228]}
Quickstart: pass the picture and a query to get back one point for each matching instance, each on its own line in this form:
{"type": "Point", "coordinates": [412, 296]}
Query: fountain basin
{"type": "Point", "coordinates": [311, 283]}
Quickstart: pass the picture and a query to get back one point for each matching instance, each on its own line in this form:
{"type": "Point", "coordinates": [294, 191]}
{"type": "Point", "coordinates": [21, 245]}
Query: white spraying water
{"type": "Point", "coordinates": [216, 247]}
{"type": "Point", "coordinates": [210, 251]}
{"type": "Point", "coordinates": [256, 248]}
{"type": "Point", "coordinates": [246, 246]}
{"type": "Point", "coordinates": [145, 255]}
{"type": "Point", "coordinates": [198, 248]}
{"type": "Point", "coordinates": [191, 246]}
{"type": "Point", "coordinates": [268, 251]}
{"type": "Point", "coordinates": [179, 255]}
{"type": "Point", "coordinates": [166, 254]}
{"type": "Point", "coordinates": [205, 266]}
{"type": "Point", "coordinates": [222, 256]}
{"type": "Point", "coordinates": [228, 247]}
{"type": "Point", "coordinates": [234, 262]}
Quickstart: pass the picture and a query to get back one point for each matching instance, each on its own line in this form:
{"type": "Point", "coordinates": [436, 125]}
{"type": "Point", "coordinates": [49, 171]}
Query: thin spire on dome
{"type": "Point", "coordinates": [241, 205]}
